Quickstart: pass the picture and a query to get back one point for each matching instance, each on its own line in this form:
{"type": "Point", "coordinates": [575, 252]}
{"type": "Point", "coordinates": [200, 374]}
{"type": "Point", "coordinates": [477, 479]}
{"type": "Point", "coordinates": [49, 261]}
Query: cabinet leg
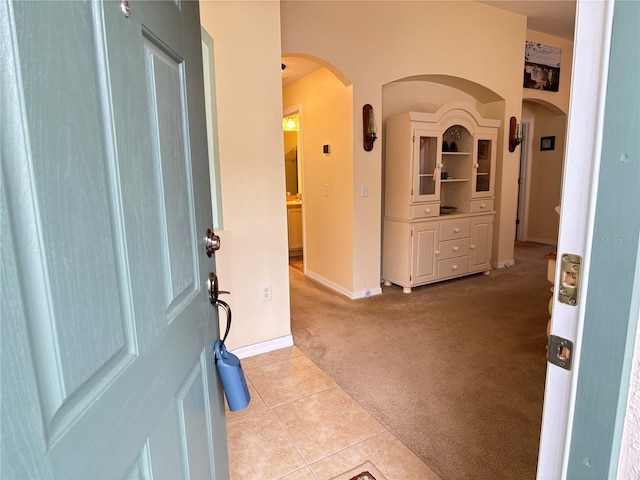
{"type": "Point", "coordinates": [387, 283]}
{"type": "Point", "coordinates": [488, 272]}
{"type": "Point", "coordinates": [406, 289]}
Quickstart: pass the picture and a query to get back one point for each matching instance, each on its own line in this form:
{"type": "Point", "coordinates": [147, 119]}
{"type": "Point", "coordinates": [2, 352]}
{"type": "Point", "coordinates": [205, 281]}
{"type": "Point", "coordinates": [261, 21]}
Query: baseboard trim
{"type": "Point", "coordinates": [341, 290]}
{"type": "Point", "coordinates": [367, 293]}
{"type": "Point", "coordinates": [264, 347]}
{"type": "Point", "coordinates": [506, 263]}
{"type": "Point", "coordinates": [328, 283]}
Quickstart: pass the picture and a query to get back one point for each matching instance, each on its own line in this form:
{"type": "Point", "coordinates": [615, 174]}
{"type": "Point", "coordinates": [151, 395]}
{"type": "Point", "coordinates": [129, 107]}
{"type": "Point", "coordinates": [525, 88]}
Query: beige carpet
{"type": "Point", "coordinates": [455, 370]}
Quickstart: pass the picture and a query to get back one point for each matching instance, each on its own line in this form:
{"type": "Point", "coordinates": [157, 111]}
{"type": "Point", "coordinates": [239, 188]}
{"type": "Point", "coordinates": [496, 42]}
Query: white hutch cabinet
{"type": "Point", "coordinates": [439, 181]}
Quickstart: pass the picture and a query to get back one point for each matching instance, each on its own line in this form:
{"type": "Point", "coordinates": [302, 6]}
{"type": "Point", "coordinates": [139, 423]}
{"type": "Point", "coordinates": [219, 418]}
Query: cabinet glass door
{"type": "Point", "coordinates": [426, 181]}
{"type": "Point", "coordinates": [483, 181]}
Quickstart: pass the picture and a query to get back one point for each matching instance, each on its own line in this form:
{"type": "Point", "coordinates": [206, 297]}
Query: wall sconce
{"type": "Point", "coordinates": [515, 134]}
{"type": "Point", "coordinates": [368, 127]}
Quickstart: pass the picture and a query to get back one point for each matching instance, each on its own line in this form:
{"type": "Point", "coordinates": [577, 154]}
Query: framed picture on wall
{"type": "Point", "coordinates": [547, 143]}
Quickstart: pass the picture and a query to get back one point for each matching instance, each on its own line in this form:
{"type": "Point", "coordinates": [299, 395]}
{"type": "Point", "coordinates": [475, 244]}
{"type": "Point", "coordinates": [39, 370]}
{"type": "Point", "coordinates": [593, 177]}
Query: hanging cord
{"type": "Point", "coordinates": [227, 308]}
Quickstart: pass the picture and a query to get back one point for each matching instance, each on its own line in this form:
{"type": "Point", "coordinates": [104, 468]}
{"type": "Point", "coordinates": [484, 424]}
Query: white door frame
{"type": "Point", "coordinates": [290, 111]}
{"type": "Point", "coordinates": [582, 164]}
{"type": "Point", "coordinates": [526, 152]}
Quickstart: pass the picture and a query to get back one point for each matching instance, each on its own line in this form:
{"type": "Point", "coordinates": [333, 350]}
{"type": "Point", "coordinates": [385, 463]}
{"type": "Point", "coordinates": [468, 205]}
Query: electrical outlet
{"type": "Point", "coordinates": [265, 292]}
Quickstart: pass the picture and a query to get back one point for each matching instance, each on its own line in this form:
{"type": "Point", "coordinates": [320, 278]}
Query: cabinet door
{"type": "Point", "coordinates": [294, 218]}
{"type": "Point", "coordinates": [424, 242]}
{"type": "Point", "coordinates": [426, 166]}
{"type": "Point", "coordinates": [484, 167]}
{"type": "Point", "coordinates": [480, 243]}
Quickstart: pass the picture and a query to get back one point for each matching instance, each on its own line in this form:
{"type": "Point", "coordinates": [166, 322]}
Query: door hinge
{"type": "Point", "coordinates": [560, 352]}
{"type": "Point", "coordinates": [412, 232]}
{"type": "Point", "coordinates": [569, 281]}
{"type": "Point", "coordinates": [410, 278]}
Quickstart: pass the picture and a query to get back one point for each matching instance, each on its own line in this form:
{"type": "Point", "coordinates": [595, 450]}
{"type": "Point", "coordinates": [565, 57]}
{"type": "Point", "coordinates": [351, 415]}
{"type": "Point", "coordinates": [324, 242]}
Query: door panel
{"type": "Point", "coordinates": [107, 195]}
{"type": "Point", "coordinates": [425, 238]}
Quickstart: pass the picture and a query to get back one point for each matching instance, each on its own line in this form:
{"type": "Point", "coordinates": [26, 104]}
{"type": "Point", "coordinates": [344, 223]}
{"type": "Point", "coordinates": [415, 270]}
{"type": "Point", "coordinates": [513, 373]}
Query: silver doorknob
{"type": "Point", "coordinates": [211, 242]}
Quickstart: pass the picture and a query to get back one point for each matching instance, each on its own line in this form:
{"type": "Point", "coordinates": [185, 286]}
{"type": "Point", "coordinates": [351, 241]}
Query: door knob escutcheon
{"type": "Point", "coordinates": [211, 242]}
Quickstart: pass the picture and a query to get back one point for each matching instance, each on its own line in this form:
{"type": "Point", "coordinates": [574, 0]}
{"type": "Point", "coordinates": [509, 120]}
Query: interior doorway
{"type": "Point", "coordinates": [522, 215]}
{"type": "Point", "coordinates": [293, 185]}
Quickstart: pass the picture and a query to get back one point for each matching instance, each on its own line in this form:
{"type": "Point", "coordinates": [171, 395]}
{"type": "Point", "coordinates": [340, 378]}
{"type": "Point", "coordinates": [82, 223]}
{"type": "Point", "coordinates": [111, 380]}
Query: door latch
{"type": "Point", "coordinates": [569, 281]}
{"type": "Point", "coordinates": [560, 352]}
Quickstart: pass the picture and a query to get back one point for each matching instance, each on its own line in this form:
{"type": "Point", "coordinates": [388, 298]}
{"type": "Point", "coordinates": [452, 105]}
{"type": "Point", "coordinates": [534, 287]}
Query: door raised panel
{"type": "Point", "coordinates": [110, 369]}
{"type": "Point", "coordinates": [165, 79]}
{"type": "Point", "coordinates": [425, 239]}
{"type": "Point", "coordinates": [192, 401]}
{"type": "Point", "coordinates": [79, 321]}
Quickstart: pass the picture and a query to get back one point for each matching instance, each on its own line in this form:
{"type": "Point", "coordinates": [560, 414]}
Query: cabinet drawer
{"type": "Point", "coordinates": [451, 229]}
{"type": "Point", "coordinates": [453, 267]}
{"type": "Point", "coordinates": [484, 205]}
{"type": "Point", "coordinates": [425, 210]}
{"type": "Point", "coordinates": [454, 248]}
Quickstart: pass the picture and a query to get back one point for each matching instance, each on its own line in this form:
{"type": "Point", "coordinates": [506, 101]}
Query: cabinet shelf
{"type": "Point", "coordinates": [456, 153]}
{"type": "Point", "coordinates": [451, 180]}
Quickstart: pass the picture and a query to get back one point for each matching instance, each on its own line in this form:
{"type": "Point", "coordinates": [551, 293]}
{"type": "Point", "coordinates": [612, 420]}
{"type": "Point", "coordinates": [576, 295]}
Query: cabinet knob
{"type": "Point", "coordinates": [455, 249]}
{"type": "Point", "coordinates": [454, 267]}
{"type": "Point", "coordinates": [476, 165]}
{"type": "Point", "coordinates": [456, 230]}
{"type": "Point", "coordinates": [472, 246]}
{"type": "Point", "coordinates": [440, 165]}
{"type": "Point", "coordinates": [427, 210]}
{"type": "Point", "coordinates": [483, 205]}
{"type": "Point", "coordinates": [437, 252]}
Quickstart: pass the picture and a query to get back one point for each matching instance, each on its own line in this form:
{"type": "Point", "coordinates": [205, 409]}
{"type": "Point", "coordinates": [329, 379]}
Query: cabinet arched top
{"type": "Point", "coordinates": [456, 112]}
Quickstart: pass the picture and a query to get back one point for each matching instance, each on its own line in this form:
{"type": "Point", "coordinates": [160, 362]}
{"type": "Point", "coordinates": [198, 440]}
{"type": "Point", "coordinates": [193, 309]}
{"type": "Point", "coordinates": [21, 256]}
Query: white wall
{"type": "Point", "coordinates": [254, 250]}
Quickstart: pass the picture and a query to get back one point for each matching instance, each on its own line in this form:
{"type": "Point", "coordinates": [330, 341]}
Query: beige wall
{"type": "Point", "coordinates": [375, 43]}
{"type": "Point", "coordinates": [254, 251]}
{"type": "Point", "coordinates": [546, 168]}
{"type": "Point", "coordinates": [559, 99]}
{"type": "Point", "coordinates": [326, 119]}
{"type": "Point", "coordinates": [371, 44]}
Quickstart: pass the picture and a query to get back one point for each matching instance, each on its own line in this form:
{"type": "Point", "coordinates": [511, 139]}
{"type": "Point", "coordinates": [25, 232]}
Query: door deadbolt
{"type": "Point", "coordinates": [211, 242]}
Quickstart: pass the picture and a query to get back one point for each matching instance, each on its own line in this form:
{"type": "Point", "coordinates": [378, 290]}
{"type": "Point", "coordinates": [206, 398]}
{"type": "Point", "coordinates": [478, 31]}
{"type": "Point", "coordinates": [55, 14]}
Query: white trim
{"type": "Point", "coordinates": [582, 163]}
{"type": "Point", "coordinates": [370, 292]}
{"type": "Point", "coordinates": [264, 347]}
{"type": "Point", "coordinates": [505, 264]}
{"type": "Point", "coordinates": [341, 290]}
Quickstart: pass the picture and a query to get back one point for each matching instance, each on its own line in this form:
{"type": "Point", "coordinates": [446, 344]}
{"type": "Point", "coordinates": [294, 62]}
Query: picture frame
{"type": "Point", "coordinates": [547, 143]}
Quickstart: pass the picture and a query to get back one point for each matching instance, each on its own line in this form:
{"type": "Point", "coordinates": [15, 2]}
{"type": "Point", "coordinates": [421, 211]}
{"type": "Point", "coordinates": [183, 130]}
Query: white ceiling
{"type": "Point", "coordinates": [553, 17]}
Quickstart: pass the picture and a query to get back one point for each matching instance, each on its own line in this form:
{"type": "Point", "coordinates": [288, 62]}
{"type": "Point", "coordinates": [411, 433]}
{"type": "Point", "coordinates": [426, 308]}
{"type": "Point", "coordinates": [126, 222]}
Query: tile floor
{"type": "Point", "coordinates": [300, 425]}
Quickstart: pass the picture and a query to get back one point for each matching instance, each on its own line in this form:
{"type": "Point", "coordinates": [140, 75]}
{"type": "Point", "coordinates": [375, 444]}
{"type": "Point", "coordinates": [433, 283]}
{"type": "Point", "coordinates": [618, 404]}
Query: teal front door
{"type": "Point", "coordinates": [107, 366]}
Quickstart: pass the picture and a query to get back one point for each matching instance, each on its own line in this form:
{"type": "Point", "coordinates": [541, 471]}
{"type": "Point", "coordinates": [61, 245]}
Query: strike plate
{"type": "Point", "coordinates": [560, 352]}
{"type": "Point", "coordinates": [569, 281]}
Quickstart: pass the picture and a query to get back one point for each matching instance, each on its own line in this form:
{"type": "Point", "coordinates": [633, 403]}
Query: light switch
{"type": "Point", "coordinates": [364, 190]}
